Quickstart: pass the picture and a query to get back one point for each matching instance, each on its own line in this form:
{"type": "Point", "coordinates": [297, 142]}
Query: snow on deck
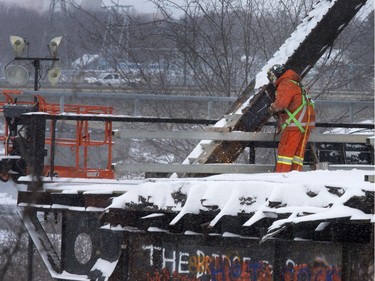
{"type": "Point", "coordinates": [305, 196]}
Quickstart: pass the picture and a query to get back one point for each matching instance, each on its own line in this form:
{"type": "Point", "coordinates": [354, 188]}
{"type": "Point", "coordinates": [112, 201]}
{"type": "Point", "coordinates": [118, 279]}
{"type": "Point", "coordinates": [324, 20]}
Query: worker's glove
{"type": "Point", "coordinates": [271, 112]}
{"type": "Point", "coordinates": [279, 124]}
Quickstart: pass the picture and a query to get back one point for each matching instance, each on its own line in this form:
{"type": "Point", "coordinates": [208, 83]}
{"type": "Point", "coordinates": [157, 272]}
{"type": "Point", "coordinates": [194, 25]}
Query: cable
{"type": "Point", "coordinates": [305, 134]}
{"type": "Point", "coordinates": [274, 140]}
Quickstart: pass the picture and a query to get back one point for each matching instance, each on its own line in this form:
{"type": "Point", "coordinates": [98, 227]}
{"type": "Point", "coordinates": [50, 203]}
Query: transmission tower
{"type": "Point", "coordinates": [117, 25]}
{"type": "Point", "coordinates": [54, 5]}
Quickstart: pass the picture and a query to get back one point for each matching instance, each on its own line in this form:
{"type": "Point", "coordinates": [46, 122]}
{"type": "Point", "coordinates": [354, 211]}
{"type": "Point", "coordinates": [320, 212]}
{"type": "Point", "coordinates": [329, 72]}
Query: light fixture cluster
{"type": "Point", "coordinates": [18, 75]}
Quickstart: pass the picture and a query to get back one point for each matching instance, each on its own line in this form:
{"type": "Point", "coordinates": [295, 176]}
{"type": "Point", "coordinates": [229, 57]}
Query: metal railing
{"type": "Point", "coordinates": [227, 167]}
{"type": "Point", "coordinates": [138, 98]}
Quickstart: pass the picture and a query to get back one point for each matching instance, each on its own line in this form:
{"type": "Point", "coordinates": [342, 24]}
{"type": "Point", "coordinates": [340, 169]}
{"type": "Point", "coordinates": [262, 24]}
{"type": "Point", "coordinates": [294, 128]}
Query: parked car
{"type": "Point", "coordinates": [110, 79]}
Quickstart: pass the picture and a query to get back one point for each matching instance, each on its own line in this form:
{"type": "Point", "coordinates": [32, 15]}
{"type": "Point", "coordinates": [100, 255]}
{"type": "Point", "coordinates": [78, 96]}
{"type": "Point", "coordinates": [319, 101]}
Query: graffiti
{"type": "Point", "coordinates": [183, 266]}
{"type": "Point", "coordinates": [205, 264]}
{"type": "Point", "coordinates": [199, 264]}
{"type": "Point", "coordinates": [221, 270]}
{"type": "Point", "coordinates": [258, 272]}
{"type": "Point", "coordinates": [319, 270]}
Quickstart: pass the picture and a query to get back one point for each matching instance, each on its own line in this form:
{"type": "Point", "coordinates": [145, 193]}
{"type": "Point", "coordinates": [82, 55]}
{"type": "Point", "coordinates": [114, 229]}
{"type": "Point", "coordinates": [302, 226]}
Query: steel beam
{"type": "Point", "coordinates": [218, 168]}
{"type": "Point", "coordinates": [198, 169]}
{"type": "Point", "coordinates": [237, 136]}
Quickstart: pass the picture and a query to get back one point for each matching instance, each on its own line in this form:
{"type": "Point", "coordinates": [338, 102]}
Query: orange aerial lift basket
{"type": "Point", "coordinates": [77, 143]}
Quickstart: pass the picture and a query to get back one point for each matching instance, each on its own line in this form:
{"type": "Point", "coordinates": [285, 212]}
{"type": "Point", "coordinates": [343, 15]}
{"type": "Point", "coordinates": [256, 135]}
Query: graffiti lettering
{"type": "Point", "coordinates": [263, 273]}
{"type": "Point", "coordinates": [225, 268]}
{"type": "Point", "coordinates": [199, 266]}
{"type": "Point", "coordinates": [304, 272]}
{"type": "Point", "coordinates": [171, 260]}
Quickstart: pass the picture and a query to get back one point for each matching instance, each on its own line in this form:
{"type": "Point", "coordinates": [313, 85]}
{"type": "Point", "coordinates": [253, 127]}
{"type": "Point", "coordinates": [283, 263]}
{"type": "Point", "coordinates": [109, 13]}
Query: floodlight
{"type": "Point", "coordinates": [16, 75]}
{"type": "Point", "coordinates": [53, 45]}
{"type": "Point", "coordinates": [54, 75]}
{"type": "Point", "coordinates": [18, 44]}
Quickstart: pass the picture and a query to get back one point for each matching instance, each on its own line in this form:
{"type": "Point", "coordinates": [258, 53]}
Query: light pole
{"type": "Point", "coordinates": [17, 75]}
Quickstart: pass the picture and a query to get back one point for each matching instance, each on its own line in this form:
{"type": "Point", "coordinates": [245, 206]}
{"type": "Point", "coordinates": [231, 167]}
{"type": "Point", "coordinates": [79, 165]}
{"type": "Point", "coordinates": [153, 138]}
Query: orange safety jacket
{"type": "Point", "coordinates": [296, 110]}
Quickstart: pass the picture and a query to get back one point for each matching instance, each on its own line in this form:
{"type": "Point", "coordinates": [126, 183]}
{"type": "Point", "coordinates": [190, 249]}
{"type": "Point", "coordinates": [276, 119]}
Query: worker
{"type": "Point", "coordinates": [295, 114]}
